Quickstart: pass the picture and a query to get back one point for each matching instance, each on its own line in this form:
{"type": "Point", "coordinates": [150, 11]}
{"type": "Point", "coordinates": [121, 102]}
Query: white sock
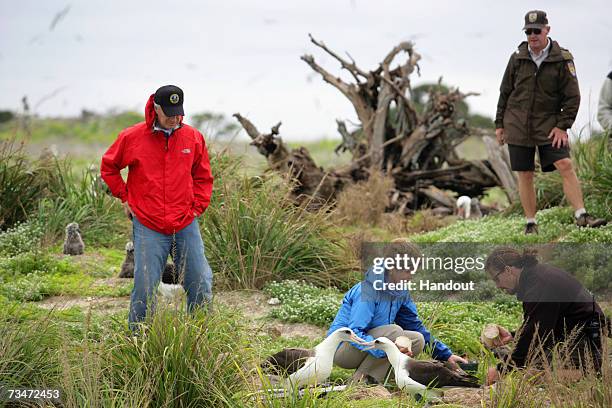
{"type": "Point", "coordinates": [579, 212]}
{"type": "Point", "coordinates": [531, 221]}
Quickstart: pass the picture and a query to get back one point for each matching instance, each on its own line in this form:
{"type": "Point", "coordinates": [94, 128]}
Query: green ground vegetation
{"type": "Point", "coordinates": [256, 239]}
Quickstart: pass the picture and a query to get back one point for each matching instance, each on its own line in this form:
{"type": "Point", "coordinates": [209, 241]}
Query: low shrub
{"type": "Point", "coordinates": [365, 202]}
{"type": "Point", "coordinates": [303, 302]}
{"type": "Point", "coordinates": [21, 238]}
{"type": "Point", "coordinates": [27, 276]}
{"type": "Point", "coordinates": [27, 263]}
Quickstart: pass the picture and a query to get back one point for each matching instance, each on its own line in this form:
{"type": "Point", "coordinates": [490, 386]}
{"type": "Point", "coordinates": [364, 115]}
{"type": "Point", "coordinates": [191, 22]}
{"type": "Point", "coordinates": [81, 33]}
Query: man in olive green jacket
{"type": "Point", "coordinates": [538, 102]}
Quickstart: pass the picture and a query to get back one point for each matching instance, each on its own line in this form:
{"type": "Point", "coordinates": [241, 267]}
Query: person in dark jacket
{"type": "Point", "coordinates": [538, 101]}
{"type": "Point", "coordinates": [556, 308]}
{"type": "Point", "coordinates": [169, 185]}
{"type": "Point", "coordinates": [371, 314]}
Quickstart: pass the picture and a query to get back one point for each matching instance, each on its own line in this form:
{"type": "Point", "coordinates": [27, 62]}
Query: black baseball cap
{"type": "Point", "coordinates": [535, 19]}
{"type": "Point", "coordinates": [170, 98]}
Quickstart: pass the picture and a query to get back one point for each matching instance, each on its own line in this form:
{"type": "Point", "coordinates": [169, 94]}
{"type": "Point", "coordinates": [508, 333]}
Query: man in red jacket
{"type": "Point", "coordinates": [169, 185]}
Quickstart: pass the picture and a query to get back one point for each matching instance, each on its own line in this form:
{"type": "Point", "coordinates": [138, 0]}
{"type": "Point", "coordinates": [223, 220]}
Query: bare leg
{"type": "Point", "coordinates": [527, 193]}
{"type": "Point", "coordinates": [571, 185]}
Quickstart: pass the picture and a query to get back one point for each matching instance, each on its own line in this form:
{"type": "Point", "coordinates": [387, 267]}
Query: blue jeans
{"type": "Point", "coordinates": [151, 250]}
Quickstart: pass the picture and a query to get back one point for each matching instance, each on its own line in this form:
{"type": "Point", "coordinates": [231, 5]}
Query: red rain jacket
{"type": "Point", "coordinates": [169, 179]}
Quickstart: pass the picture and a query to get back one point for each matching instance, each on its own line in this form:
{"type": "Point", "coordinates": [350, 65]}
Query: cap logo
{"type": "Point", "coordinates": [174, 98]}
{"type": "Point", "coordinates": [533, 17]}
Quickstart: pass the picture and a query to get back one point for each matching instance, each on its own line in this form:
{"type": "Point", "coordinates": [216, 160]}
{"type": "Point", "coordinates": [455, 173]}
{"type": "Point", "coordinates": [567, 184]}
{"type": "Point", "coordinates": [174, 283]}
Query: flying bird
{"type": "Point", "coordinates": [59, 16]}
{"type": "Point", "coordinates": [73, 243]}
{"type": "Point", "coordinates": [310, 366]}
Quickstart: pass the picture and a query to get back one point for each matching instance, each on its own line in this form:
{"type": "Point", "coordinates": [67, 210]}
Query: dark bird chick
{"type": "Point", "coordinates": [73, 244]}
{"type": "Point", "coordinates": [127, 267]}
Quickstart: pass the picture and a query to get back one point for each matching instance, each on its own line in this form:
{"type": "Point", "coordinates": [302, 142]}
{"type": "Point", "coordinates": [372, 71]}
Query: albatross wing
{"type": "Point", "coordinates": [437, 374]}
{"type": "Point", "coordinates": [288, 361]}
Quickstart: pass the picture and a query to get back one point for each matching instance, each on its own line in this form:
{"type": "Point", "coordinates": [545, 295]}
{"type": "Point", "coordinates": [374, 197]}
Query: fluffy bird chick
{"type": "Point", "coordinates": [73, 244]}
{"type": "Point", "coordinates": [127, 267]}
{"type": "Point", "coordinates": [468, 208]}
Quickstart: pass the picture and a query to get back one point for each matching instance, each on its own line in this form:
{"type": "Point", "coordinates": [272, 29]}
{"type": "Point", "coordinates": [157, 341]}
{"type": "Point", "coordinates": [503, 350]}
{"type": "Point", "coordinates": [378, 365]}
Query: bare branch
{"type": "Point", "coordinates": [328, 77]}
{"type": "Point", "coordinates": [248, 126]}
{"type": "Point", "coordinates": [275, 128]}
{"type": "Point", "coordinates": [349, 66]}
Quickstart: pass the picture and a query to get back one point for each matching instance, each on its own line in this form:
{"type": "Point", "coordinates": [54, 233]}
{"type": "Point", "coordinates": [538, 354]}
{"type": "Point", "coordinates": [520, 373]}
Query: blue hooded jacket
{"type": "Point", "coordinates": [394, 308]}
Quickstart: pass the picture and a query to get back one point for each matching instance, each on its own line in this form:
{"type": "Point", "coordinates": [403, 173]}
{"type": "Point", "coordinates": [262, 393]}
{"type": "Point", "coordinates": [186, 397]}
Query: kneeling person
{"type": "Point", "coordinates": [556, 309]}
{"type": "Point", "coordinates": [392, 316]}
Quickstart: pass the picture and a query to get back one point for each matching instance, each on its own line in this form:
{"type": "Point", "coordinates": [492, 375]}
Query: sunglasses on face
{"type": "Point", "coordinates": [496, 277]}
{"type": "Point", "coordinates": [536, 31]}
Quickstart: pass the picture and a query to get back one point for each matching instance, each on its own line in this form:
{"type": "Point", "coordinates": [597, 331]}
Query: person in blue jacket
{"type": "Point", "coordinates": [371, 313]}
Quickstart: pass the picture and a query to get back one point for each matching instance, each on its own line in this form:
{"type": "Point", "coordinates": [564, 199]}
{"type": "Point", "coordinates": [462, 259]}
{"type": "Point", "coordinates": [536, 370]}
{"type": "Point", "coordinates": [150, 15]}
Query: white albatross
{"type": "Point", "coordinates": [468, 208]}
{"type": "Point", "coordinates": [309, 367]}
{"type": "Point", "coordinates": [400, 363]}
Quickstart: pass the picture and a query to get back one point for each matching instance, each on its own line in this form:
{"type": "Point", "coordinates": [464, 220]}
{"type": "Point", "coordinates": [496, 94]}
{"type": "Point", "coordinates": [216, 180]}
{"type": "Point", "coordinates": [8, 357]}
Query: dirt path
{"type": "Point", "coordinates": [253, 305]}
{"type": "Point", "coordinates": [105, 304]}
{"type": "Point", "coordinates": [255, 308]}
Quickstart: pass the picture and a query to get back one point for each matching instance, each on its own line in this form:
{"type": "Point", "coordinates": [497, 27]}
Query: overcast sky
{"type": "Point", "coordinates": [243, 55]}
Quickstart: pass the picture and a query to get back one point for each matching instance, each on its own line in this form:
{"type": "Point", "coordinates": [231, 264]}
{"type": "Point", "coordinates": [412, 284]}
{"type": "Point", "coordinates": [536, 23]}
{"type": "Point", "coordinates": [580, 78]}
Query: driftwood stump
{"type": "Point", "coordinates": [418, 149]}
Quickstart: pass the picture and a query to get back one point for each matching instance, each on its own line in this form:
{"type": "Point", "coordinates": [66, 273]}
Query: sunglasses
{"type": "Point", "coordinates": [496, 277]}
{"type": "Point", "coordinates": [536, 31]}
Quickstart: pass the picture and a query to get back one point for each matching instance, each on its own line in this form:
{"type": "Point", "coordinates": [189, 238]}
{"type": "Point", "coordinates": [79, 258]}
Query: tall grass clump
{"type": "Point", "coordinates": [45, 191]}
{"type": "Point", "coordinates": [82, 199]}
{"type": "Point", "coordinates": [593, 164]}
{"type": "Point", "coordinates": [551, 380]}
{"type": "Point", "coordinates": [23, 182]}
{"type": "Point", "coordinates": [28, 349]}
{"type": "Point", "coordinates": [179, 360]}
{"type": "Point", "coordinates": [254, 234]}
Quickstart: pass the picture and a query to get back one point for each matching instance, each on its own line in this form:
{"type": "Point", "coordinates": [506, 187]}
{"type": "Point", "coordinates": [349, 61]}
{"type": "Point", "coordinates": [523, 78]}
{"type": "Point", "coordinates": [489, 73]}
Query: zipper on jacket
{"type": "Point", "coordinates": [535, 84]}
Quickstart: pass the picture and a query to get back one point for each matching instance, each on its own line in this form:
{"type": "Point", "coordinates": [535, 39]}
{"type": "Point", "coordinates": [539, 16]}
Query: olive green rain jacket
{"type": "Point", "coordinates": [532, 101]}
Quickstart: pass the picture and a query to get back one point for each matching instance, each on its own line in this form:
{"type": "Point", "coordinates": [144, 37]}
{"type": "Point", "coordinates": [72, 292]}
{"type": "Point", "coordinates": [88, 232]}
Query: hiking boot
{"type": "Point", "coordinates": [531, 228]}
{"type": "Point", "coordinates": [586, 220]}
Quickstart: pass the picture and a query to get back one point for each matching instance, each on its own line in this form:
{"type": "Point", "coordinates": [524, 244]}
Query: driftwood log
{"type": "Point", "coordinates": [312, 186]}
{"type": "Point", "coordinates": [417, 149]}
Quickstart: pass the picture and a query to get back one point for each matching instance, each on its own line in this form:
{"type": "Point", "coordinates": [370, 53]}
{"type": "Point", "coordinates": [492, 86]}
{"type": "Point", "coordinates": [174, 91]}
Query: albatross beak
{"type": "Point", "coordinates": [370, 345]}
{"type": "Point", "coordinates": [357, 339]}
